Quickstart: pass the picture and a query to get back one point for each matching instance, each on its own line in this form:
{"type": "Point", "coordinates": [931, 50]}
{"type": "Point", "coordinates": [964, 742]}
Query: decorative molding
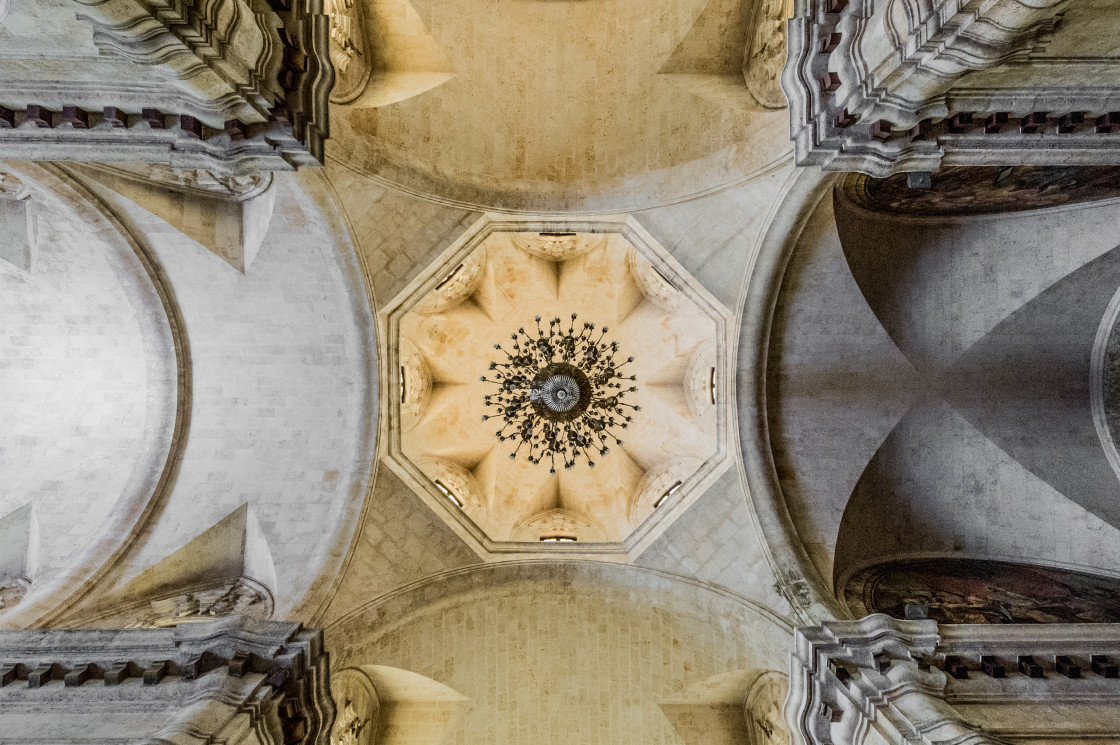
{"type": "Point", "coordinates": [560, 525]}
{"type": "Point", "coordinates": [245, 88]}
{"type": "Point", "coordinates": [456, 286]}
{"type": "Point", "coordinates": [414, 382]}
{"type": "Point", "coordinates": [862, 102]}
{"type": "Point", "coordinates": [765, 53]}
{"type": "Point", "coordinates": [194, 181]}
{"type": "Point", "coordinates": [225, 52]}
{"type": "Point", "coordinates": [461, 485]}
{"type": "Point", "coordinates": [557, 246]}
{"type": "Point", "coordinates": [659, 486]}
{"type": "Point", "coordinates": [657, 287]}
{"type": "Point", "coordinates": [879, 680]}
{"type": "Point", "coordinates": [700, 385]}
{"type": "Point", "coordinates": [383, 53]}
{"type": "Point", "coordinates": [207, 602]}
{"type": "Point", "coordinates": [349, 52]}
{"type": "Point", "coordinates": [359, 708]}
{"type": "Point", "coordinates": [235, 681]}
{"type": "Point", "coordinates": [227, 570]}
{"type": "Point", "coordinates": [762, 709]}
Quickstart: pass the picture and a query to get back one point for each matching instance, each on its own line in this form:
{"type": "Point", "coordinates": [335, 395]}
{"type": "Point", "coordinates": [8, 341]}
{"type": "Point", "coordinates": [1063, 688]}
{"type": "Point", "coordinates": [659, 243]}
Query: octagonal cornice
{"type": "Point", "coordinates": [629, 229]}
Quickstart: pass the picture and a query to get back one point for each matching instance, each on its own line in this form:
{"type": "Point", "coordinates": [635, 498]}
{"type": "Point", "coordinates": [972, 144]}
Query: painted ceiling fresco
{"type": "Point", "coordinates": [971, 591]}
{"type": "Point", "coordinates": [985, 190]}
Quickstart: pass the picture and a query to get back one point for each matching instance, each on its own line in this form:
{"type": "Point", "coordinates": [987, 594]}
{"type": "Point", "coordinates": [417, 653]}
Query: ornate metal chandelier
{"type": "Point", "coordinates": [560, 393]}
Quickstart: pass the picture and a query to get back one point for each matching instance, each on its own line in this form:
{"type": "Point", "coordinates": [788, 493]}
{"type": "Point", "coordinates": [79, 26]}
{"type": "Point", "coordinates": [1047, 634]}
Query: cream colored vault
{"type": "Point", "coordinates": [498, 277]}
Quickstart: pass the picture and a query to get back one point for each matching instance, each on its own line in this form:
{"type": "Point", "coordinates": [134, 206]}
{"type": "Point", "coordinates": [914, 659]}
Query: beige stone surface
{"type": "Point", "coordinates": [571, 113]}
{"type": "Point", "coordinates": [609, 285]}
{"type": "Point", "coordinates": [551, 653]}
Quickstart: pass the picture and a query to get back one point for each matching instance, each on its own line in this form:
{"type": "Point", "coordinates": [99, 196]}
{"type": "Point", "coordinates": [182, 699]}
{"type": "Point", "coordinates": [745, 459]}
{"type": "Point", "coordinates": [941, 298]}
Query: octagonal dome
{"type": "Point", "coordinates": [594, 305]}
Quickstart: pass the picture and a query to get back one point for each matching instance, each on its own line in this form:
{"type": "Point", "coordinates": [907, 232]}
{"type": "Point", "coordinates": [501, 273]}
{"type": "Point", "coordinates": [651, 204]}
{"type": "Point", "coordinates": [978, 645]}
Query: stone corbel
{"type": "Point", "coordinates": [19, 230]}
{"type": "Point", "coordinates": [881, 681]}
{"type": "Point", "coordinates": [235, 86]}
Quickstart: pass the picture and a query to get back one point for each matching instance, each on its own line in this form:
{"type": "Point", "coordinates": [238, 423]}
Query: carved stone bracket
{"type": "Point", "coordinates": [884, 87]}
{"type": "Point", "coordinates": [234, 681]}
{"type": "Point", "coordinates": [881, 680]}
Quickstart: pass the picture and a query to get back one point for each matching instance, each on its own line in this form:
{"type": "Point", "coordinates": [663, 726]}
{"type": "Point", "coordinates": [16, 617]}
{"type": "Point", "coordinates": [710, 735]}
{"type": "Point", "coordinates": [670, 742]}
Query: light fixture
{"type": "Point", "coordinates": [558, 539]}
{"type": "Point", "coordinates": [560, 393]}
{"type": "Point", "coordinates": [712, 385]}
{"type": "Point", "coordinates": [668, 493]}
{"type": "Point", "coordinates": [449, 494]}
{"type": "Point", "coordinates": [403, 390]}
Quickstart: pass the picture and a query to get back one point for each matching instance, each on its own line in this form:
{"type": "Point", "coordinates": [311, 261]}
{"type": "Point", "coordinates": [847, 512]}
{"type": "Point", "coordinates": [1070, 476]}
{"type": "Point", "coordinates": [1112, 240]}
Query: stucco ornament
{"type": "Point", "coordinates": [243, 597]}
{"type": "Point", "coordinates": [358, 708]}
{"type": "Point", "coordinates": [12, 591]}
{"type": "Point", "coordinates": [765, 55]}
{"type": "Point", "coordinates": [763, 709]}
{"type": "Point", "coordinates": [351, 64]}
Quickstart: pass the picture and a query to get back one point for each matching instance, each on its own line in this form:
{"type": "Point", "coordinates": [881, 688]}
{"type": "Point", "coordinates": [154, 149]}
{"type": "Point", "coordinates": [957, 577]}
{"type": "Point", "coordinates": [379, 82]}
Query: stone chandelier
{"type": "Point", "coordinates": [560, 393]}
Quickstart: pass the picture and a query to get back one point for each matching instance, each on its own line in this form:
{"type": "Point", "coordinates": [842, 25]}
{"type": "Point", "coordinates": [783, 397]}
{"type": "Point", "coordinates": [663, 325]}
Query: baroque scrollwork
{"type": "Point", "coordinates": [358, 708]}
{"type": "Point", "coordinates": [213, 183]}
{"type": "Point", "coordinates": [12, 591]}
{"type": "Point", "coordinates": [766, 53]}
{"type": "Point", "coordinates": [241, 598]}
{"type": "Point", "coordinates": [351, 63]}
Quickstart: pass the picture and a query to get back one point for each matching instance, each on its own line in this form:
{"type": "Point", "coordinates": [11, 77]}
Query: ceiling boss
{"type": "Point", "coordinates": [560, 393]}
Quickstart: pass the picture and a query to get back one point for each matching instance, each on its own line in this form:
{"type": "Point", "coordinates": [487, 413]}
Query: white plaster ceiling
{"type": "Point", "coordinates": [929, 387]}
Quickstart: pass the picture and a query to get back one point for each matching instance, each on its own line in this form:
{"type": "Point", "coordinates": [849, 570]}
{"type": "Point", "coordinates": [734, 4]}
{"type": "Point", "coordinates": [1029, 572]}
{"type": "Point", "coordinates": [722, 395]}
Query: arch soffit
{"type": "Point", "coordinates": [806, 590]}
{"type": "Point", "coordinates": [164, 332]}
